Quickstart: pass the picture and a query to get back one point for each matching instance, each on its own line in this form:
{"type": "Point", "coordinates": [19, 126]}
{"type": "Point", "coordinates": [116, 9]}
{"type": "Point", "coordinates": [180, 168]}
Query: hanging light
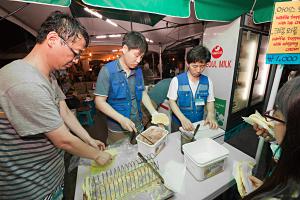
{"type": "Point", "coordinates": [101, 36]}
{"type": "Point", "coordinates": [148, 40]}
{"type": "Point", "coordinates": [111, 22]}
{"type": "Point", "coordinates": [96, 14]}
{"type": "Point", "coordinates": [114, 36]}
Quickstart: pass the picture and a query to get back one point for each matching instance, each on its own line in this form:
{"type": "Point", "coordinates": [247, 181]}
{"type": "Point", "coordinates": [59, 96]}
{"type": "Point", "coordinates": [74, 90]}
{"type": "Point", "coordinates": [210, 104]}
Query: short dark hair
{"type": "Point", "coordinates": [135, 40]}
{"type": "Point", "coordinates": [64, 25]}
{"type": "Point", "coordinates": [197, 54]}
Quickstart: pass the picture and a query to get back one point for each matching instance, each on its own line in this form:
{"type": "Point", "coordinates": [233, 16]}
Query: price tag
{"type": "Point", "coordinates": [283, 59]}
{"type": "Point", "coordinates": [284, 43]}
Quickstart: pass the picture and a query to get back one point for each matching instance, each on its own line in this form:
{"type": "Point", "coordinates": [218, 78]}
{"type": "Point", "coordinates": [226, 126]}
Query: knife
{"type": "Point", "coordinates": [195, 132]}
{"type": "Point", "coordinates": [151, 167]}
{"type": "Point", "coordinates": [133, 138]}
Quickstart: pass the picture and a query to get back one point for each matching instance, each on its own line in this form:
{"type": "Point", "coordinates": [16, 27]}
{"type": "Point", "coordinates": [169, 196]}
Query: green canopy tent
{"type": "Point", "coordinates": [77, 6]}
{"type": "Point", "coordinates": [62, 3]}
{"type": "Point", "coordinates": [77, 10]}
{"type": "Point", "coordinates": [208, 10]}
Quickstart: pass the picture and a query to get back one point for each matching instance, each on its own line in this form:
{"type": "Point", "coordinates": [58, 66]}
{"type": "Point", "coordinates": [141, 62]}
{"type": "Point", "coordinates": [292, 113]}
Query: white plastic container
{"type": "Point", "coordinates": [205, 132]}
{"type": "Point", "coordinates": [145, 148]}
{"type": "Point", "coordinates": [204, 158]}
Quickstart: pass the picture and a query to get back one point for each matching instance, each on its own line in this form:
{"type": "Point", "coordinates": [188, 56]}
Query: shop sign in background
{"type": "Point", "coordinates": [284, 44]}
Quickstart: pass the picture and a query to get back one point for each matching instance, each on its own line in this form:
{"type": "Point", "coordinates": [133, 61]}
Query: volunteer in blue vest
{"type": "Point", "coordinates": [191, 93]}
{"type": "Point", "coordinates": [120, 90]}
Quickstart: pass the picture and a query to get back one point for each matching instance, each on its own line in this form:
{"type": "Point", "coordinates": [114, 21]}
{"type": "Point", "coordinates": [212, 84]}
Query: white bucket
{"type": "Point", "coordinates": [204, 158]}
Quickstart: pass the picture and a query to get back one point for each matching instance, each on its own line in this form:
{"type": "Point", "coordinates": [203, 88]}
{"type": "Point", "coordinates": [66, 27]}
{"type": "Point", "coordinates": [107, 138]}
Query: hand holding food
{"type": "Point", "coordinates": [255, 182]}
{"type": "Point", "coordinates": [160, 118]}
{"type": "Point", "coordinates": [103, 158]}
{"type": "Point", "coordinates": [261, 125]}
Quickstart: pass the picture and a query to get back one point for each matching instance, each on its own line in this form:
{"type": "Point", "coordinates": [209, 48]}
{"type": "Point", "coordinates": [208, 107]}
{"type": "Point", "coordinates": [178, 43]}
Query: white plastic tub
{"type": "Point", "coordinates": [205, 132]}
{"type": "Point", "coordinates": [145, 148]}
{"type": "Point", "coordinates": [204, 158]}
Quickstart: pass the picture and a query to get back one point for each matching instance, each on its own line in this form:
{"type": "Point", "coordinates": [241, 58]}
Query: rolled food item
{"type": "Point", "coordinates": [160, 118]}
{"type": "Point", "coordinates": [258, 119]}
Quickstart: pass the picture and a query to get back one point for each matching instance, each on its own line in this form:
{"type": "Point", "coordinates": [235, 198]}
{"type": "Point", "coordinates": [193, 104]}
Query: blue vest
{"type": "Point", "coordinates": [191, 107]}
{"type": "Point", "coordinates": [119, 96]}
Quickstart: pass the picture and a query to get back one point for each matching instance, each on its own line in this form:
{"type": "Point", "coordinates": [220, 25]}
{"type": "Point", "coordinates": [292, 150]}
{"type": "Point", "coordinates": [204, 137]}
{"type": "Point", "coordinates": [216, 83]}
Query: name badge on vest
{"type": "Point", "coordinates": [199, 102]}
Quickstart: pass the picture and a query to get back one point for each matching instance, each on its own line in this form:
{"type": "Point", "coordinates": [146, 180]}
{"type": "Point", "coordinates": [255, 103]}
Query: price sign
{"type": "Point", "coordinates": [283, 59]}
{"type": "Point", "coordinates": [284, 44]}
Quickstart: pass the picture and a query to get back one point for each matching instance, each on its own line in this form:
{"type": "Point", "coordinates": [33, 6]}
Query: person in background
{"type": "Point", "coordinates": [120, 90]}
{"type": "Point", "coordinates": [179, 69]}
{"type": "Point", "coordinates": [191, 91]}
{"type": "Point", "coordinates": [147, 74]}
{"type": "Point", "coordinates": [35, 122]}
{"type": "Point", "coordinates": [284, 182]}
{"type": "Point", "coordinates": [294, 74]}
{"type": "Point", "coordinates": [158, 93]}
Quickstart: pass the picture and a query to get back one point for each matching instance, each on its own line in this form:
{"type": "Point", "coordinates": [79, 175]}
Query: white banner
{"type": "Point", "coordinates": [222, 40]}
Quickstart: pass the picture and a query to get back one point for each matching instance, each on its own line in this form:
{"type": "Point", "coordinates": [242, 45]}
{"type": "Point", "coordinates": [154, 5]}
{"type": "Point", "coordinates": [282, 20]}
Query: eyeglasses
{"type": "Point", "coordinates": [269, 117]}
{"type": "Point", "coordinates": [76, 55]}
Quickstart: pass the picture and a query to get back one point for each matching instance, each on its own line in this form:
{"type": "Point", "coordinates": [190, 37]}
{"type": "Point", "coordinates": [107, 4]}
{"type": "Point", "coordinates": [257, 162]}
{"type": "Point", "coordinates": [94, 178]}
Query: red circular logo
{"type": "Point", "coordinates": [217, 52]}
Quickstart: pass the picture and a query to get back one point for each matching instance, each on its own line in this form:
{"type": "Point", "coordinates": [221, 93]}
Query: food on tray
{"type": "Point", "coordinates": [133, 182]}
{"type": "Point", "coordinates": [153, 134]}
{"type": "Point", "coordinates": [160, 118]}
{"type": "Point", "coordinates": [96, 169]}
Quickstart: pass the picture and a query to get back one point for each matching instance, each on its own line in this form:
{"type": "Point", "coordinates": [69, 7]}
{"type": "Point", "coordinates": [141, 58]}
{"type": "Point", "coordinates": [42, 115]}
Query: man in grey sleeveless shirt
{"type": "Point", "coordinates": [34, 118]}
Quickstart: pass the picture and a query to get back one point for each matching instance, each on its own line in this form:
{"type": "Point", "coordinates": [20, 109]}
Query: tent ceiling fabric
{"type": "Point", "coordinates": [210, 10]}
{"type": "Point", "coordinates": [133, 16]}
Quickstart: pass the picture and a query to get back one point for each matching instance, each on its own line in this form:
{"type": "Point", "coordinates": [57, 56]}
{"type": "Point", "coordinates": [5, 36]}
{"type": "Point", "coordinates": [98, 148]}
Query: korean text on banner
{"type": "Point", "coordinates": [284, 44]}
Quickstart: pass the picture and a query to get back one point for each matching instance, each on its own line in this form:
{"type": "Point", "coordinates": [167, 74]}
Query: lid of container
{"type": "Point", "coordinates": [203, 132]}
{"type": "Point", "coordinates": [205, 151]}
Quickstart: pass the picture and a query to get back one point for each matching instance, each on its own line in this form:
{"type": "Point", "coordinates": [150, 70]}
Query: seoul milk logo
{"type": "Point", "coordinates": [217, 52]}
